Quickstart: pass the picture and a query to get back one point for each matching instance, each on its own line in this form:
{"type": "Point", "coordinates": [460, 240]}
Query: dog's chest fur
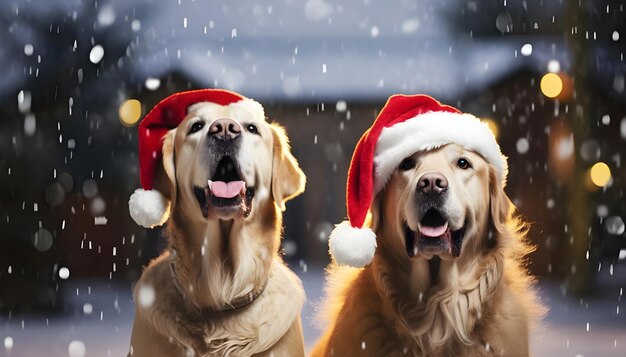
{"type": "Point", "coordinates": [447, 321]}
{"type": "Point", "coordinates": [253, 329]}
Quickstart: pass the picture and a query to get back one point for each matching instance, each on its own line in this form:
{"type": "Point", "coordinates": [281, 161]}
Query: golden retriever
{"type": "Point", "coordinates": [463, 293]}
{"type": "Point", "coordinates": [221, 289]}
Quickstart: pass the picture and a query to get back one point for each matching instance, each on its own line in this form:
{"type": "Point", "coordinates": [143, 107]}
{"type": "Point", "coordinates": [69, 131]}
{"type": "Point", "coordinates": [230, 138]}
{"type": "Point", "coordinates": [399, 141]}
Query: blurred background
{"type": "Point", "coordinates": [78, 76]}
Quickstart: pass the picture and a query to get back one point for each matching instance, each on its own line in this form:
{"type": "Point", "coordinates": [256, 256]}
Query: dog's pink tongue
{"type": "Point", "coordinates": [226, 189]}
{"type": "Point", "coordinates": [434, 231]}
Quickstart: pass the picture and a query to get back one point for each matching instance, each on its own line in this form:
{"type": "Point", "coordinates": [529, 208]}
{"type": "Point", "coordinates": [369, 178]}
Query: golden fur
{"type": "Point", "coordinates": [481, 303]}
{"type": "Point", "coordinates": [214, 260]}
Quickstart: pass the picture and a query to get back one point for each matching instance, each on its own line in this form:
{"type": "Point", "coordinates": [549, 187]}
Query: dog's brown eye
{"type": "Point", "coordinates": [252, 128]}
{"type": "Point", "coordinates": [462, 163]}
{"type": "Point", "coordinates": [407, 164]}
{"type": "Point", "coordinates": [195, 127]}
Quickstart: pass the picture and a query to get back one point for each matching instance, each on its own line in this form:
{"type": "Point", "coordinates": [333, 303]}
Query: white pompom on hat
{"type": "Point", "coordinates": [406, 124]}
{"type": "Point", "coordinates": [148, 207]}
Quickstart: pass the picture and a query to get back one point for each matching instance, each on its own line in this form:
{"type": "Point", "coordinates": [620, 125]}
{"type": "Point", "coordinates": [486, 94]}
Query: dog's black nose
{"type": "Point", "coordinates": [224, 129]}
{"type": "Point", "coordinates": [432, 183]}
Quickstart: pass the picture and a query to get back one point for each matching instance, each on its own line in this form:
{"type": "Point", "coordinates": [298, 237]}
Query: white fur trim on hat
{"type": "Point", "coordinates": [148, 208]}
{"type": "Point", "coordinates": [251, 105]}
{"type": "Point", "coordinates": [432, 130]}
{"type": "Point", "coordinates": [243, 109]}
{"type": "Point", "coordinates": [352, 246]}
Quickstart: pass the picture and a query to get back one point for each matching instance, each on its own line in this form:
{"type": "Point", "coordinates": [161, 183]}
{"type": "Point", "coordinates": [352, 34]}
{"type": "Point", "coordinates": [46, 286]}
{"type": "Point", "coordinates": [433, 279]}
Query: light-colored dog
{"type": "Point", "coordinates": [220, 288]}
{"type": "Point", "coordinates": [463, 293]}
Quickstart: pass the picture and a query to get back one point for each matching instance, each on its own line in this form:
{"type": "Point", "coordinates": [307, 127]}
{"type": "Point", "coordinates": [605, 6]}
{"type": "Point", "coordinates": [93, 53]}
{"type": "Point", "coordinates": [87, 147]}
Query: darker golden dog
{"type": "Point", "coordinates": [447, 276]}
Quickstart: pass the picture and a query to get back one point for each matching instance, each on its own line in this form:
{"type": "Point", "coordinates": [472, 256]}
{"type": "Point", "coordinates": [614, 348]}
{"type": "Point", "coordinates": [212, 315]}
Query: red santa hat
{"type": "Point", "coordinates": [405, 125]}
{"type": "Point", "coordinates": [147, 206]}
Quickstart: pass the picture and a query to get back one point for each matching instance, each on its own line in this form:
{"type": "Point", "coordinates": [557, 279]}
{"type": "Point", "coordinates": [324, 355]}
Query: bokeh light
{"type": "Point", "coordinates": [565, 147]}
{"type": "Point", "coordinates": [551, 85]}
{"type": "Point", "coordinates": [42, 240]}
{"type": "Point", "coordinates": [615, 225]}
{"type": "Point", "coordinates": [562, 149]}
{"type": "Point", "coordinates": [90, 188]}
{"type": "Point", "coordinates": [130, 112]}
{"type": "Point", "coordinates": [600, 174]}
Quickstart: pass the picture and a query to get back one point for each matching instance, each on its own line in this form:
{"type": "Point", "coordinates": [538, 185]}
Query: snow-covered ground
{"type": "Point", "coordinates": [101, 321]}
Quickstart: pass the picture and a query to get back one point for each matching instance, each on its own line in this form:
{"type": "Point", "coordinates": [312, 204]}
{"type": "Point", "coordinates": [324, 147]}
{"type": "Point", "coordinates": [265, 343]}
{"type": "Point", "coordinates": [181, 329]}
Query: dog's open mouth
{"type": "Point", "coordinates": [226, 193]}
{"type": "Point", "coordinates": [434, 236]}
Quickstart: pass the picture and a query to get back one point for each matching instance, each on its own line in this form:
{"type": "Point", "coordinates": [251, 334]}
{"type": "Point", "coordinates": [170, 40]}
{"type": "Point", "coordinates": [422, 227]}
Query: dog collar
{"type": "Point", "coordinates": [233, 305]}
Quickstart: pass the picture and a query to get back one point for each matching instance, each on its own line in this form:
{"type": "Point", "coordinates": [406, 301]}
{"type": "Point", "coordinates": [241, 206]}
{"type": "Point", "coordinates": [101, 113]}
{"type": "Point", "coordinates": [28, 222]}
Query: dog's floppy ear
{"type": "Point", "coordinates": [165, 180]}
{"type": "Point", "coordinates": [288, 180]}
{"type": "Point", "coordinates": [501, 206]}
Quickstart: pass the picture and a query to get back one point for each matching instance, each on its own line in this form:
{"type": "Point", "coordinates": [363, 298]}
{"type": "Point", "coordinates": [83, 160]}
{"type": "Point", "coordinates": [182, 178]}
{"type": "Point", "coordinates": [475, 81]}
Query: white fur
{"type": "Point", "coordinates": [432, 130]}
{"type": "Point", "coordinates": [251, 105]}
{"type": "Point", "coordinates": [148, 208]}
{"type": "Point", "coordinates": [243, 110]}
{"type": "Point", "coordinates": [352, 246]}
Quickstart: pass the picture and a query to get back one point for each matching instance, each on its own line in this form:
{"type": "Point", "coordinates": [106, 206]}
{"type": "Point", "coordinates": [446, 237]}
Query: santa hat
{"type": "Point", "coordinates": [405, 125]}
{"type": "Point", "coordinates": [147, 206]}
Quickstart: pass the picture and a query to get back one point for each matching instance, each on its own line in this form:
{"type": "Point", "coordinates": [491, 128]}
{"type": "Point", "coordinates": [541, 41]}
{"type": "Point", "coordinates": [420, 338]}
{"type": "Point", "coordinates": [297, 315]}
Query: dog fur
{"type": "Point", "coordinates": [222, 254]}
{"type": "Point", "coordinates": [479, 303]}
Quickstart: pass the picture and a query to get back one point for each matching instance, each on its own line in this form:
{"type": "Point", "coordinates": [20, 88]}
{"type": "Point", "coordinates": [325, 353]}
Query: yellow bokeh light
{"type": "Point", "coordinates": [492, 126]}
{"type": "Point", "coordinates": [600, 174]}
{"type": "Point", "coordinates": [130, 112]}
{"type": "Point", "coordinates": [551, 85]}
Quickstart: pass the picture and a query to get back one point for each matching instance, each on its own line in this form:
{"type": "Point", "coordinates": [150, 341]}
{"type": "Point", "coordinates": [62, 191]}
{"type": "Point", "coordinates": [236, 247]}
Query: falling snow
{"type": "Point", "coordinates": [28, 49]}
{"type": "Point", "coordinates": [146, 296]}
{"type": "Point", "coordinates": [8, 343]}
{"type": "Point", "coordinates": [153, 83]}
{"type": "Point", "coordinates": [30, 125]}
{"type": "Point", "coordinates": [522, 145]}
{"type": "Point", "coordinates": [614, 225]}
{"type": "Point", "coordinates": [615, 36]}
{"type": "Point", "coordinates": [317, 10]}
{"type": "Point", "coordinates": [526, 50]}
{"type": "Point", "coordinates": [106, 15]}
{"type": "Point", "coordinates": [96, 54]}
{"type": "Point", "coordinates": [76, 349]}
{"type": "Point", "coordinates": [64, 273]}
{"type": "Point", "coordinates": [374, 31]}
{"type": "Point", "coordinates": [341, 106]}
{"type": "Point", "coordinates": [323, 70]}
{"type": "Point", "coordinates": [409, 26]}
{"type": "Point", "coordinates": [554, 66]}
